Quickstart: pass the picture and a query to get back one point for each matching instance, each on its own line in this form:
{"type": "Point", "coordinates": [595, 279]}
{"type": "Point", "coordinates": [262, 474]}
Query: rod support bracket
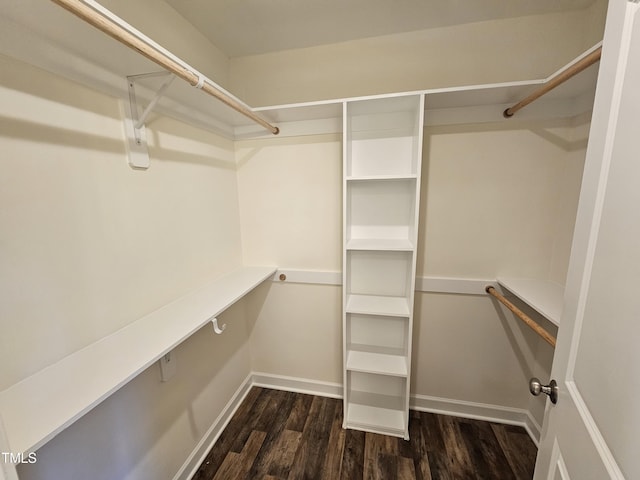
{"type": "Point", "coordinates": [138, 153]}
{"type": "Point", "coordinates": [134, 121]}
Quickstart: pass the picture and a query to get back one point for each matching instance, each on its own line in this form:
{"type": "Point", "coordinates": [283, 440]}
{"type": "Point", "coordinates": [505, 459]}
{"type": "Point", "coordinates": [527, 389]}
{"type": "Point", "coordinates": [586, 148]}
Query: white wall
{"type": "Point", "coordinates": [523, 48]}
{"type": "Point", "coordinates": [291, 201]}
{"type": "Point", "coordinates": [290, 210]}
{"type": "Point", "coordinates": [496, 198]}
{"type": "Point", "coordinates": [89, 245]}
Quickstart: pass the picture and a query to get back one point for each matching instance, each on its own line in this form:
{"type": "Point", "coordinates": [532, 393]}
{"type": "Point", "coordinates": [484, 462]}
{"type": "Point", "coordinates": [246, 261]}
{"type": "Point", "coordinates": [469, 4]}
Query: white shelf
{"type": "Point", "coordinates": [377, 362]}
{"type": "Point", "coordinates": [378, 305]}
{"type": "Point", "coordinates": [388, 244]}
{"type": "Point", "coordinates": [42, 405]}
{"type": "Point", "coordinates": [543, 296]}
{"type": "Point", "coordinates": [380, 177]}
{"type": "Point", "coordinates": [384, 415]}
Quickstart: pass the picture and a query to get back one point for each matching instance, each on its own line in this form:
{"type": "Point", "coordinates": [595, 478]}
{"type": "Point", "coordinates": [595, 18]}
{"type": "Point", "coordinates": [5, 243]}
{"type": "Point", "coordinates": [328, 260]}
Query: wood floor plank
{"type": "Point", "coordinates": [275, 413]}
{"type": "Point", "coordinates": [313, 445]}
{"type": "Point", "coordinates": [299, 413]}
{"type": "Point", "coordinates": [406, 469]}
{"type": "Point", "coordinates": [277, 435]}
{"type": "Point", "coordinates": [217, 454]}
{"type": "Point", "coordinates": [251, 420]}
{"type": "Point", "coordinates": [488, 459]}
{"type": "Point", "coordinates": [438, 458]}
{"type": "Point", "coordinates": [272, 422]}
{"type": "Point", "coordinates": [237, 465]}
{"type": "Point", "coordinates": [353, 456]}
{"type": "Point", "coordinates": [518, 449]}
{"type": "Point", "coordinates": [458, 459]}
{"type": "Point", "coordinates": [335, 448]}
{"type": "Point", "coordinates": [377, 461]}
{"type": "Point", "coordinates": [283, 454]}
{"type": "Point", "coordinates": [418, 448]}
{"type": "Point", "coordinates": [229, 467]}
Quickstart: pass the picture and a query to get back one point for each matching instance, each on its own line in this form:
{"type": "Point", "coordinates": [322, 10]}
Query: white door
{"type": "Point", "coordinates": [593, 432]}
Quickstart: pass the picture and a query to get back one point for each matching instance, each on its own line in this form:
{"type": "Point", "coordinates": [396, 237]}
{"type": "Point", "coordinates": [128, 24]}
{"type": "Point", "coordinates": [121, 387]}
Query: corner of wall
{"type": "Point", "coordinates": [174, 32]}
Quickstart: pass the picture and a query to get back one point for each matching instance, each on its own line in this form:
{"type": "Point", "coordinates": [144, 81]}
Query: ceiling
{"type": "Point", "coordinates": [247, 27]}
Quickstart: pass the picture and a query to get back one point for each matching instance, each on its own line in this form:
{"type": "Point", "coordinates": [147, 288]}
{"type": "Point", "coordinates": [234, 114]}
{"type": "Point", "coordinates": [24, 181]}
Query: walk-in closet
{"type": "Point", "coordinates": [281, 240]}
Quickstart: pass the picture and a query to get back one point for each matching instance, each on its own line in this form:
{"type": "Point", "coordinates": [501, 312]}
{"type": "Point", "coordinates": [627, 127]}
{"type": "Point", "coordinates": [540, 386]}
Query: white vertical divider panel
{"type": "Point", "coordinates": [382, 156]}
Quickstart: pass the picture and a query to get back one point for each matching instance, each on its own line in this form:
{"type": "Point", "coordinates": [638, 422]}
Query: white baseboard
{"type": "Point", "coordinates": [193, 462]}
{"type": "Point", "coordinates": [443, 406]}
{"type": "Point", "coordinates": [533, 428]}
{"type": "Point", "coordinates": [477, 411]}
{"type": "Point", "coordinates": [298, 385]}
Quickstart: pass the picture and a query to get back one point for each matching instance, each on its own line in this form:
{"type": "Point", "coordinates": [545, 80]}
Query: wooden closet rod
{"type": "Point", "coordinates": [522, 316]}
{"type": "Point", "coordinates": [560, 78]}
{"type": "Point", "coordinates": [160, 56]}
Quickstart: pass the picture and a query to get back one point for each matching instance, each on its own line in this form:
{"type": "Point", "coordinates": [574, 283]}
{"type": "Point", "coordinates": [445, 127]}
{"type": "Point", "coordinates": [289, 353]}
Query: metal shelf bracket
{"type": "Point", "coordinates": [135, 122]}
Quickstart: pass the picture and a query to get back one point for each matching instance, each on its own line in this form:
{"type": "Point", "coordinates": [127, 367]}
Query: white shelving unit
{"type": "Point", "coordinates": [543, 296]}
{"type": "Point", "coordinates": [382, 156]}
{"type": "Point", "coordinates": [42, 405]}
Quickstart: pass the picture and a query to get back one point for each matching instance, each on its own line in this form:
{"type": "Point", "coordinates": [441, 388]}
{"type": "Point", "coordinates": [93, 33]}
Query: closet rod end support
{"type": "Point", "coordinates": [507, 113]}
{"type": "Point", "coordinates": [488, 289]}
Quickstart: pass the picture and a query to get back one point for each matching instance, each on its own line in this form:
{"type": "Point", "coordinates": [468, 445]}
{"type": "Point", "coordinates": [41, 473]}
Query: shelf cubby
{"type": "Point", "coordinates": [381, 210]}
{"type": "Point", "coordinates": [377, 344]}
{"type": "Point", "coordinates": [370, 409]}
{"type": "Point", "coordinates": [380, 332]}
{"type": "Point", "coordinates": [379, 273]}
{"type": "Point", "coordinates": [383, 137]}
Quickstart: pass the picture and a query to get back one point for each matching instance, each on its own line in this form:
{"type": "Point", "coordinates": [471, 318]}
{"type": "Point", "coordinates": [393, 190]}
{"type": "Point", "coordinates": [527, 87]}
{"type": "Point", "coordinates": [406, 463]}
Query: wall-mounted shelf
{"type": "Point", "coordinates": [378, 305]}
{"type": "Point", "coordinates": [543, 296]}
{"type": "Point", "coordinates": [42, 405]}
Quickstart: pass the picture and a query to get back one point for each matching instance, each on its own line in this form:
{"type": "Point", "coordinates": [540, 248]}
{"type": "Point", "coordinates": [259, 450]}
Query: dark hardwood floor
{"type": "Point", "coordinates": [278, 435]}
